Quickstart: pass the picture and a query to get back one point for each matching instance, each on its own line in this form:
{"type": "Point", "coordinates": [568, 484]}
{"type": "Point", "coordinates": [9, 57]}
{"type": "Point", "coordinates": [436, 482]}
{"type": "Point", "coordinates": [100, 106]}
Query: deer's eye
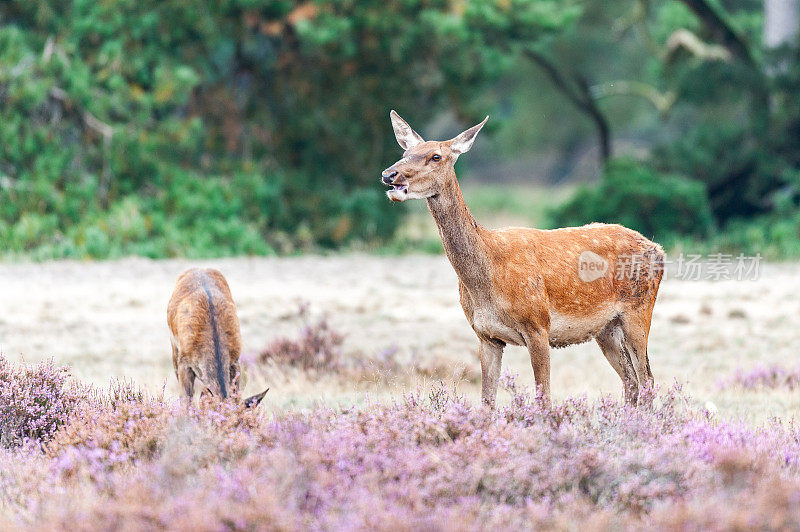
{"type": "Point", "coordinates": [436, 158]}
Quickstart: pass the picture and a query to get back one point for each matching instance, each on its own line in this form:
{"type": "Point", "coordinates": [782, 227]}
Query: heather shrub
{"type": "Point", "coordinates": [35, 400]}
{"type": "Point", "coordinates": [317, 347]}
{"type": "Point", "coordinates": [433, 460]}
{"type": "Point", "coordinates": [439, 461]}
{"type": "Point", "coordinates": [749, 498]}
{"type": "Point", "coordinates": [128, 427]}
{"type": "Point", "coordinates": [125, 391]}
{"type": "Point", "coordinates": [319, 350]}
{"type": "Point", "coordinates": [763, 377]}
{"type": "Point", "coordinates": [118, 431]}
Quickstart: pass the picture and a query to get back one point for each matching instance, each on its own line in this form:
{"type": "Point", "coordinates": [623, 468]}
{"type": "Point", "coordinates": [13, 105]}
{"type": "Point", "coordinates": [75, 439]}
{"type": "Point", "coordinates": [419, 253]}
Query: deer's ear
{"type": "Point", "coordinates": [252, 402]}
{"type": "Point", "coordinates": [407, 138]}
{"type": "Point", "coordinates": [463, 142]}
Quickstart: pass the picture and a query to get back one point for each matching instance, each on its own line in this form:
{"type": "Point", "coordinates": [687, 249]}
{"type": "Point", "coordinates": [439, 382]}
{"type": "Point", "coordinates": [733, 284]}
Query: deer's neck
{"type": "Point", "coordinates": [460, 233]}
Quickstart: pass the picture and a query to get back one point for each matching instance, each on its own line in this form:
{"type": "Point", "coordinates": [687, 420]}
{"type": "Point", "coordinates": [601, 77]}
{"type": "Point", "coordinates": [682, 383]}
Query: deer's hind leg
{"type": "Point", "coordinates": [636, 329]}
{"type": "Point", "coordinates": [612, 342]}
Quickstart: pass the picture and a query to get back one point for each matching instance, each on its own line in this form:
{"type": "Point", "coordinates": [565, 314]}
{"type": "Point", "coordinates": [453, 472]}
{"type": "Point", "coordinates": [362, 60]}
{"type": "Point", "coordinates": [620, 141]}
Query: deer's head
{"type": "Point", "coordinates": [214, 379]}
{"type": "Point", "coordinates": [425, 166]}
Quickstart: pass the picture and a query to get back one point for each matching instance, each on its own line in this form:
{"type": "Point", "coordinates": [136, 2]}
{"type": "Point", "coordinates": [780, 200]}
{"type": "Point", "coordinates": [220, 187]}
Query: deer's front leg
{"type": "Point", "coordinates": [491, 354]}
{"type": "Point", "coordinates": [538, 343]}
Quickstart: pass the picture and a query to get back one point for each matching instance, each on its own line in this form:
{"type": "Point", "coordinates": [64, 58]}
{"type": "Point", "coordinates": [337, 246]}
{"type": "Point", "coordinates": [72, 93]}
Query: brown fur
{"type": "Point", "coordinates": [521, 286]}
{"type": "Point", "coordinates": [205, 334]}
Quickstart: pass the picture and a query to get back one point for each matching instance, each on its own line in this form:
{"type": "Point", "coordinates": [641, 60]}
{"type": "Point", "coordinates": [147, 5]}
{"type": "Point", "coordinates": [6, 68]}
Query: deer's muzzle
{"type": "Point", "coordinates": [388, 175]}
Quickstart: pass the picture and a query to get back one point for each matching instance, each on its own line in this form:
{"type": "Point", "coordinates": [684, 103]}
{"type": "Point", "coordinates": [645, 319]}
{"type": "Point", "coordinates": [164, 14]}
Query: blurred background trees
{"type": "Point", "coordinates": [253, 126]}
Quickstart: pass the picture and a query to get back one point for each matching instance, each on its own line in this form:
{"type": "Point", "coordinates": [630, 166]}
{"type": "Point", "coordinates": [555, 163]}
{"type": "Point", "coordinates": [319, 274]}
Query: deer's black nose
{"type": "Point", "coordinates": [388, 176]}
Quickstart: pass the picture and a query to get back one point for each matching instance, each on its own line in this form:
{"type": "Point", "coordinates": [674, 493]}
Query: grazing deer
{"type": "Point", "coordinates": [205, 335]}
{"type": "Point", "coordinates": [531, 287]}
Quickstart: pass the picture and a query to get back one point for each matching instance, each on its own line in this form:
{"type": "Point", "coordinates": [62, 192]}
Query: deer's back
{"type": "Point", "coordinates": [549, 261]}
{"type": "Point", "coordinates": [200, 309]}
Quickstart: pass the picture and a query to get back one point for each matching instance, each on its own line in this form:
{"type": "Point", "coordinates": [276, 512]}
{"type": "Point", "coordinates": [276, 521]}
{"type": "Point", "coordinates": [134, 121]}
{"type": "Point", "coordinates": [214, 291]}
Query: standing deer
{"type": "Point", "coordinates": [531, 287]}
{"type": "Point", "coordinates": [205, 335]}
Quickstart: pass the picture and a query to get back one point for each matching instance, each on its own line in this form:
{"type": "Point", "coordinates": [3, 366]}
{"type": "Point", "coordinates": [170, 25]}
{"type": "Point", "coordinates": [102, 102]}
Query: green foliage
{"type": "Point", "coordinates": [634, 195]}
{"type": "Point", "coordinates": [702, 95]}
{"type": "Point", "coordinates": [774, 237]}
{"type": "Point", "coordinates": [165, 128]}
{"type": "Point", "coordinates": [735, 129]}
{"type": "Point", "coordinates": [244, 126]}
{"type": "Point", "coordinates": [729, 162]}
{"type": "Point", "coordinates": [217, 216]}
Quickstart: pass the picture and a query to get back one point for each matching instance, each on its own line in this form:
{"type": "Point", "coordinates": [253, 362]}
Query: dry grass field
{"type": "Point", "coordinates": [108, 320]}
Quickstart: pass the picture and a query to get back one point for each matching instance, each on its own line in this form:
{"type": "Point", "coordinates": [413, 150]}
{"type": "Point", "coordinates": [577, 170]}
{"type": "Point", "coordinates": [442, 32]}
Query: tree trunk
{"type": "Point", "coordinates": [781, 22]}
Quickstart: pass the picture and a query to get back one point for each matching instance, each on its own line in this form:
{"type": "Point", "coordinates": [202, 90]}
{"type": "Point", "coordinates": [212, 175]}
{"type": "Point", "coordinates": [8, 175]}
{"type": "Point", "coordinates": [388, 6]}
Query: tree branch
{"type": "Point", "coordinates": [685, 39]}
{"type": "Point", "coordinates": [561, 83]}
{"type": "Point", "coordinates": [579, 92]}
{"type": "Point", "coordinates": [662, 101]}
{"type": "Point", "coordinates": [721, 31]}
{"type": "Point", "coordinates": [724, 34]}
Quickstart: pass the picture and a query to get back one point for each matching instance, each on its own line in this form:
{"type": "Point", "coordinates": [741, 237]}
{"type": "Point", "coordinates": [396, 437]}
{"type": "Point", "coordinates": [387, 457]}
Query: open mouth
{"type": "Point", "coordinates": [397, 191]}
